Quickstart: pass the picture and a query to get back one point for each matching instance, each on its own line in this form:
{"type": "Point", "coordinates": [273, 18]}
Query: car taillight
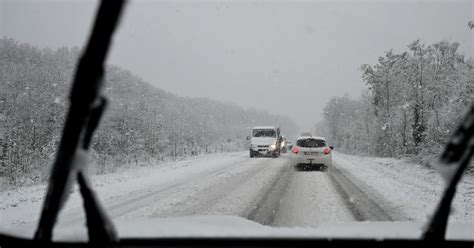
{"type": "Point", "coordinates": [296, 150]}
{"type": "Point", "coordinates": [327, 150]}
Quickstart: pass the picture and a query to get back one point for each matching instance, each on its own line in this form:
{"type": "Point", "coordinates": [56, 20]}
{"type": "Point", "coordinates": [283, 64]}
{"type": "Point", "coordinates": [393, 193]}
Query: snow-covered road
{"type": "Point", "coordinates": [265, 190]}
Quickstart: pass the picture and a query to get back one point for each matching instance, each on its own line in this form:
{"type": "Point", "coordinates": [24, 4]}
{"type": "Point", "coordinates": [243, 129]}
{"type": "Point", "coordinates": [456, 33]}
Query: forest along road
{"type": "Point", "coordinates": [266, 190]}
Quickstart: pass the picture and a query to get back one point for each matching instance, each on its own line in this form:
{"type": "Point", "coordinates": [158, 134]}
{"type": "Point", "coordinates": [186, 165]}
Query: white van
{"type": "Point", "coordinates": [265, 141]}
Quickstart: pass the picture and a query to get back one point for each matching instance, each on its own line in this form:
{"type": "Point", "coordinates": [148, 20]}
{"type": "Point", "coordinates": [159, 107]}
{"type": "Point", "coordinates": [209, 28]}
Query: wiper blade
{"type": "Point", "coordinates": [451, 165]}
{"type": "Point", "coordinates": [86, 108]}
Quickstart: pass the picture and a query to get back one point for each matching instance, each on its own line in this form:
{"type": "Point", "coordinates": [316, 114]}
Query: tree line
{"type": "Point", "coordinates": [141, 123]}
{"type": "Point", "coordinates": [412, 103]}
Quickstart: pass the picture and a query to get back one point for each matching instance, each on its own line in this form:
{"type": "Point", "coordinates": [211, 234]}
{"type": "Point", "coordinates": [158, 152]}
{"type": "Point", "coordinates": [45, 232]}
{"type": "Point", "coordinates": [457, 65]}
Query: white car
{"type": "Point", "coordinates": [265, 141]}
{"type": "Point", "coordinates": [310, 153]}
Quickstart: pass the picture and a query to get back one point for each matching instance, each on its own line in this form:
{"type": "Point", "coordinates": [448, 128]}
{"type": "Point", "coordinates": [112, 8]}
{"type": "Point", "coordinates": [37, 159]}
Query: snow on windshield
{"type": "Point", "coordinates": [191, 83]}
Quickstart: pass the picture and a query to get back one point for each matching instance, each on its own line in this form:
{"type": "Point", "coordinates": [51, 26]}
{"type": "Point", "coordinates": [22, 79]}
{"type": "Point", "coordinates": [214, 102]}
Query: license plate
{"type": "Point", "coordinates": [311, 153]}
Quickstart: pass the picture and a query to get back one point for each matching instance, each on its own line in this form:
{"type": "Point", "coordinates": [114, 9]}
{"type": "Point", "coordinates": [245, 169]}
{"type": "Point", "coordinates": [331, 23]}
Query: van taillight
{"type": "Point", "coordinates": [296, 150]}
{"type": "Point", "coordinates": [327, 150]}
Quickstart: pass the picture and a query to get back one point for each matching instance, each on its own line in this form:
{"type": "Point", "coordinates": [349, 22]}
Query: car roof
{"type": "Point", "coordinates": [264, 127]}
{"type": "Point", "coordinates": [312, 137]}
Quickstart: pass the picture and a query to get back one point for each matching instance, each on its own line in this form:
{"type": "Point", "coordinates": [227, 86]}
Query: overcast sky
{"type": "Point", "coordinates": [286, 57]}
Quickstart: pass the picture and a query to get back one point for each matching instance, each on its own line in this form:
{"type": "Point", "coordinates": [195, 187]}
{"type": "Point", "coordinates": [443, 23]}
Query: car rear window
{"type": "Point", "coordinates": [313, 143]}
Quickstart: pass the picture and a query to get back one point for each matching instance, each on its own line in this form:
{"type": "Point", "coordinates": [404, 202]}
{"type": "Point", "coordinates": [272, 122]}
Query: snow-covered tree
{"type": "Point", "coordinates": [414, 101]}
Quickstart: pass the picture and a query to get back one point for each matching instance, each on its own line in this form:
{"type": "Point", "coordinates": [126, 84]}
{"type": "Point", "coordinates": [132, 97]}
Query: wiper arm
{"type": "Point", "coordinates": [451, 165]}
{"type": "Point", "coordinates": [86, 108]}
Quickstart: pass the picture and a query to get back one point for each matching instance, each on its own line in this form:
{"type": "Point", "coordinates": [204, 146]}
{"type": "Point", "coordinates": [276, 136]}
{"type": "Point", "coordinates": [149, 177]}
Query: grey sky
{"type": "Point", "coordinates": [287, 57]}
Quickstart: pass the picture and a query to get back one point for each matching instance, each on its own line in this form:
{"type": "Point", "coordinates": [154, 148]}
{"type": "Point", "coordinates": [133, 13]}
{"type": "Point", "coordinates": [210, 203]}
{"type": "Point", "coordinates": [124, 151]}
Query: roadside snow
{"type": "Point", "coordinates": [20, 208]}
{"type": "Point", "coordinates": [412, 191]}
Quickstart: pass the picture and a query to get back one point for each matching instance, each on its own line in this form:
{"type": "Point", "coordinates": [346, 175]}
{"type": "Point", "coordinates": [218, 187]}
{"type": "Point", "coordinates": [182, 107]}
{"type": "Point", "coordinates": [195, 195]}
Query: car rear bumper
{"type": "Point", "coordinates": [324, 159]}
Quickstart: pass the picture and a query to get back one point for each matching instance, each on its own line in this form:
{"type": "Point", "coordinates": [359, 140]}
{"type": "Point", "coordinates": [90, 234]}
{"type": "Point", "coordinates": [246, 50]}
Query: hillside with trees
{"type": "Point", "coordinates": [413, 101]}
{"type": "Point", "coordinates": [142, 123]}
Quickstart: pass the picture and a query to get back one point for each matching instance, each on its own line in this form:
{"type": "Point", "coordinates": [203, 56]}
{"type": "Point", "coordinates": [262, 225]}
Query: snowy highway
{"type": "Point", "coordinates": [266, 190]}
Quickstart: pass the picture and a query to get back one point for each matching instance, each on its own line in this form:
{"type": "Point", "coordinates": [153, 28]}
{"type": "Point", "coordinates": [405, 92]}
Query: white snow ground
{"type": "Point", "coordinates": [409, 190]}
{"type": "Point", "coordinates": [265, 190]}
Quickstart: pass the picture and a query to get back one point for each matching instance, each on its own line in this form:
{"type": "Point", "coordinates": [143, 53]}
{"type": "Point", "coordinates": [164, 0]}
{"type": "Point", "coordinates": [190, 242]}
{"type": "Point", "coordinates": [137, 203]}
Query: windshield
{"type": "Point", "coordinates": [195, 90]}
{"type": "Point", "coordinates": [264, 133]}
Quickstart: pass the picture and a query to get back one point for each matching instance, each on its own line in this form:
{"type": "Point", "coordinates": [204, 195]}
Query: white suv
{"type": "Point", "coordinates": [312, 153]}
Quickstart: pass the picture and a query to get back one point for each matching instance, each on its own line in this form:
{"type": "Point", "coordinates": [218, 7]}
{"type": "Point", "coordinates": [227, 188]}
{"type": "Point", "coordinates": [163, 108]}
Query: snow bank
{"type": "Point", "coordinates": [20, 208]}
{"type": "Point", "coordinates": [412, 191]}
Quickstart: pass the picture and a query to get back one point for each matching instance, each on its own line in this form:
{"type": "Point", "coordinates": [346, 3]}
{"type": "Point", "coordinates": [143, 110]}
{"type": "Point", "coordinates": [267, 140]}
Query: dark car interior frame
{"type": "Point", "coordinates": [86, 107]}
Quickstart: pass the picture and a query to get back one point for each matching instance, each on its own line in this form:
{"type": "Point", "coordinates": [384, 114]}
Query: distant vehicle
{"type": "Point", "coordinates": [265, 141]}
{"type": "Point", "coordinates": [312, 153]}
{"type": "Point", "coordinates": [283, 147]}
{"type": "Point", "coordinates": [289, 145]}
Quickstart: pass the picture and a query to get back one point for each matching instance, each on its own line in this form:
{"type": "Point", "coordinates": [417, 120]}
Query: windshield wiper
{"type": "Point", "coordinates": [451, 165]}
{"type": "Point", "coordinates": [86, 108]}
